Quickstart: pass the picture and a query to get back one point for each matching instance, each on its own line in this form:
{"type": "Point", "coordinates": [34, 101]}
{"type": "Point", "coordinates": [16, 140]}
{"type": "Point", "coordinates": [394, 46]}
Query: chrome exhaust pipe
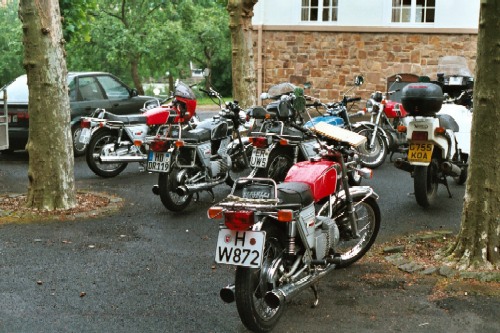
{"type": "Point", "coordinates": [403, 165]}
{"type": "Point", "coordinates": [451, 169]}
{"type": "Point", "coordinates": [122, 159]}
{"type": "Point", "coordinates": [193, 188]}
{"type": "Point", "coordinates": [278, 296]}
{"type": "Point", "coordinates": [227, 293]}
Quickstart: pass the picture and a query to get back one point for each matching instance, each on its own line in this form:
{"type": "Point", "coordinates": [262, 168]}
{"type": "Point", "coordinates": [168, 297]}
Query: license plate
{"type": "Point", "coordinates": [455, 81]}
{"type": "Point", "coordinates": [259, 158]}
{"type": "Point", "coordinates": [158, 162]}
{"type": "Point", "coordinates": [420, 152]}
{"type": "Point", "coordinates": [13, 118]}
{"type": "Point", "coordinates": [240, 248]}
{"type": "Point", "coordinates": [85, 136]}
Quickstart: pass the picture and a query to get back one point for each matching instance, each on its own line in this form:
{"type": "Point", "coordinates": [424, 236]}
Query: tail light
{"type": "Point", "coordinates": [258, 142]}
{"type": "Point", "coordinates": [239, 220]}
{"type": "Point", "coordinates": [419, 136]}
{"type": "Point", "coordinates": [159, 145]}
{"type": "Point", "coordinates": [85, 123]}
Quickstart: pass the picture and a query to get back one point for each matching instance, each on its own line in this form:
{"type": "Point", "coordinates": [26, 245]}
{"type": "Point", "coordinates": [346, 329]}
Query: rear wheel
{"type": "Point", "coordinates": [78, 147]}
{"type": "Point", "coordinates": [97, 147]}
{"type": "Point", "coordinates": [460, 180]}
{"type": "Point", "coordinates": [279, 162]}
{"type": "Point", "coordinates": [372, 157]}
{"type": "Point", "coordinates": [251, 285]}
{"type": "Point", "coordinates": [239, 168]}
{"type": "Point", "coordinates": [168, 184]}
{"type": "Point", "coordinates": [425, 182]}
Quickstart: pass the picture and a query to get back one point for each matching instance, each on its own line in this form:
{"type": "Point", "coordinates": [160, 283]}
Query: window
{"type": "Point", "coordinates": [89, 89]}
{"type": "Point", "coordinates": [319, 10]}
{"type": "Point", "coordinates": [113, 88]}
{"type": "Point", "coordinates": [413, 11]}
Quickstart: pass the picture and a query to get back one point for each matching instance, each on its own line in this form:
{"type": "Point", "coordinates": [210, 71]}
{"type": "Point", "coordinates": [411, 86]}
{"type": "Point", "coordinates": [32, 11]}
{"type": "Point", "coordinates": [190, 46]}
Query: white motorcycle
{"type": "Point", "coordinates": [433, 150]}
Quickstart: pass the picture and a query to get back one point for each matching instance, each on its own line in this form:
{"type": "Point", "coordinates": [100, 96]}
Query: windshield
{"type": "Point", "coordinates": [280, 89]}
{"type": "Point", "coordinates": [183, 90]}
{"type": "Point", "coordinates": [453, 66]}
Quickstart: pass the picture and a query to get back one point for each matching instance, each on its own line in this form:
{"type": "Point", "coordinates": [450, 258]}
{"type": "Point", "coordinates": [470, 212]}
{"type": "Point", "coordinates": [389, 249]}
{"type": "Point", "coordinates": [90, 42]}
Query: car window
{"type": "Point", "coordinates": [114, 89]}
{"type": "Point", "coordinates": [72, 90]}
{"type": "Point", "coordinates": [89, 89]}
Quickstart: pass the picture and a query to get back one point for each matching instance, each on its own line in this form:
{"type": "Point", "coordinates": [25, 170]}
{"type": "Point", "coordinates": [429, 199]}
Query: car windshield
{"type": "Point", "coordinates": [453, 66]}
{"type": "Point", "coordinates": [280, 89]}
{"type": "Point", "coordinates": [17, 91]}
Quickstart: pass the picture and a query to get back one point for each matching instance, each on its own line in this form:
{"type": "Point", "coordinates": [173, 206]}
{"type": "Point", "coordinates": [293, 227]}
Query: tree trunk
{"type": "Point", "coordinates": [50, 148]}
{"type": "Point", "coordinates": [134, 67]}
{"type": "Point", "coordinates": [477, 245]}
{"type": "Point", "coordinates": [243, 67]}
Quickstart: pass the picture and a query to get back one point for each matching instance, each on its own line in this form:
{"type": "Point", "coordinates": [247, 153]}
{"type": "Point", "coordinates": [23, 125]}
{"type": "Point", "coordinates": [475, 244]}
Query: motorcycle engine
{"type": "Point", "coordinates": [326, 237]}
{"type": "Point", "coordinates": [221, 162]}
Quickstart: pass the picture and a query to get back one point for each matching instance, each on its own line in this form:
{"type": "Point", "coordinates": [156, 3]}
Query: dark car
{"type": "Point", "coordinates": [87, 91]}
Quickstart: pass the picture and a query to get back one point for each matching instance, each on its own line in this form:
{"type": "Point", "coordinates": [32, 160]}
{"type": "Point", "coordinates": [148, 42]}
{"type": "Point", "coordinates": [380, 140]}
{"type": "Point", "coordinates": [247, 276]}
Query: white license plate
{"type": "Point", "coordinates": [158, 162]}
{"type": "Point", "coordinates": [85, 135]}
{"type": "Point", "coordinates": [259, 158]}
{"type": "Point", "coordinates": [455, 81]}
{"type": "Point", "coordinates": [240, 248]}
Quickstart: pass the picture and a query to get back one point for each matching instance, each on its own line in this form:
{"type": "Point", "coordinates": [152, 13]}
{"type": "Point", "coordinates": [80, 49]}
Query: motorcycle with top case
{"type": "Point", "coordinates": [283, 238]}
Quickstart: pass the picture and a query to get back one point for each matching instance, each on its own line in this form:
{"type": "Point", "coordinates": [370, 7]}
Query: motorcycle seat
{"type": "Point", "coordinates": [128, 119]}
{"type": "Point", "coordinates": [447, 121]}
{"type": "Point", "coordinates": [295, 193]}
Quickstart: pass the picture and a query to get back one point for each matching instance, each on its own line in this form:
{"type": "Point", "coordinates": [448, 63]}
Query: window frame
{"type": "Point", "coordinates": [306, 8]}
{"type": "Point", "coordinates": [413, 9]}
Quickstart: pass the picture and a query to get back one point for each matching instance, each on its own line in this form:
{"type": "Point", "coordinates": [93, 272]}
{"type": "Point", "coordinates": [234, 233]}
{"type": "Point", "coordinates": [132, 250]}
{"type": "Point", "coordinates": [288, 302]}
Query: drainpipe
{"type": "Point", "coordinates": [259, 64]}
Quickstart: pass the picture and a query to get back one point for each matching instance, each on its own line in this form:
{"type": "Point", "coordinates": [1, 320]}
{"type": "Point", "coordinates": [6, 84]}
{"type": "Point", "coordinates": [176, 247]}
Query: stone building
{"type": "Point", "coordinates": [328, 42]}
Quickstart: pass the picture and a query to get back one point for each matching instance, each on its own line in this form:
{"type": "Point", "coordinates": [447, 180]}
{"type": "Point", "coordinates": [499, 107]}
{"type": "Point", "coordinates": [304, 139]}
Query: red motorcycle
{"type": "Point", "coordinates": [283, 238]}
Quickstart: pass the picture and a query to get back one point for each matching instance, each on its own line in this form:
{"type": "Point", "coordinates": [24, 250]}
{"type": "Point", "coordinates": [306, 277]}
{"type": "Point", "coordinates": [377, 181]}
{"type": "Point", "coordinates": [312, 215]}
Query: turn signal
{"type": "Point", "coordinates": [402, 129]}
{"type": "Point", "coordinates": [179, 143]}
{"type": "Point", "coordinates": [285, 215]}
{"type": "Point", "coordinates": [440, 131]}
{"type": "Point", "coordinates": [137, 143]}
{"type": "Point", "coordinates": [284, 142]}
{"type": "Point", "coordinates": [215, 212]}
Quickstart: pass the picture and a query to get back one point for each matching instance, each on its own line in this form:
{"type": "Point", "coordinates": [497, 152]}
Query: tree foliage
{"type": "Point", "coordinates": [11, 55]}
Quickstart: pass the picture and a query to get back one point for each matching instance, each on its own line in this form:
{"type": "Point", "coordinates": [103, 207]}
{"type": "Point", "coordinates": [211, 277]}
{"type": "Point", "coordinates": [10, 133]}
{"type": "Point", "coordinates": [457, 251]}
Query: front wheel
{"type": "Point", "coordinates": [372, 157]}
{"type": "Point", "coordinates": [367, 215]}
{"type": "Point", "coordinates": [279, 162]}
{"type": "Point", "coordinates": [168, 184]}
{"type": "Point", "coordinates": [252, 284]}
{"type": "Point", "coordinates": [95, 148]}
{"type": "Point", "coordinates": [78, 147]}
{"type": "Point", "coordinates": [425, 183]}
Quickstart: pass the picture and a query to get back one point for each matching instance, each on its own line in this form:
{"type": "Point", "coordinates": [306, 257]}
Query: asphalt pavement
{"type": "Point", "coordinates": [144, 269]}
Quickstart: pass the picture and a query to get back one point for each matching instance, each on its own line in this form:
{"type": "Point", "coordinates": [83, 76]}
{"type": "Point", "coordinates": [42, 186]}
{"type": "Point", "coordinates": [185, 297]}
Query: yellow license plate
{"type": "Point", "coordinates": [420, 152]}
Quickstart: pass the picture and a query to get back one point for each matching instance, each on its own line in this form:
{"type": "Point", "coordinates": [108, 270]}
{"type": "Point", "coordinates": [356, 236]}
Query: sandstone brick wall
{"type": "Point", "coordinates": [331, 60]}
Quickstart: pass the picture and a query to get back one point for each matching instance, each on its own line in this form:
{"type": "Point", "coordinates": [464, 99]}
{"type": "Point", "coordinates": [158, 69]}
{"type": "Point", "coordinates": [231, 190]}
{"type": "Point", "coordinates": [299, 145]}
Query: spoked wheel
{"type": "Point", "coordinates": [96, 148]}
{"type": "Point", "coordinates": [375, 156]}
{"type": "Point", "coordinates": [239, 168]}
{"type": "Point", "coordinates": [425, 183]}
{"type": "Point", "coordinates": [251, 285]}
{"type": "Point", "coordinates": [168, 184]}
{"type": "Point", "coordinates": [367, 215]}
{"type": "Point", "coordinates": [278, 164]}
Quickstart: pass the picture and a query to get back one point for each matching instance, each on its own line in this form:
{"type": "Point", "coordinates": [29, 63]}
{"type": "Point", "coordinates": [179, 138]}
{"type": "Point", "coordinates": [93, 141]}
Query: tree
{"type": "Point", "coordinates": [477, 244]}
{"type": "Point", "coordinates": [51, 163]}
{"type": "Point", "coordinates": [243, 68]}
{"type": "Point", "coordinates": [10, 38]}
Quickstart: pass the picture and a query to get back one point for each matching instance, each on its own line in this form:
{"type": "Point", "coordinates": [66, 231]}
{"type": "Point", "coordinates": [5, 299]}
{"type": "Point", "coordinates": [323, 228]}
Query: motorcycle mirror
{"type": "Point", "coordinates": [358, 80]}
{"type": "Point", "coordinates": [264, 96]}
{"type": "Point", "coordinates": [307, 85]}
{"type": "Point", "coordinates": [398, 78]}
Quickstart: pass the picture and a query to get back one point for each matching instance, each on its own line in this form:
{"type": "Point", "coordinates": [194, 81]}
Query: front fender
{"type": "Point", "coordinates": [371, 126]}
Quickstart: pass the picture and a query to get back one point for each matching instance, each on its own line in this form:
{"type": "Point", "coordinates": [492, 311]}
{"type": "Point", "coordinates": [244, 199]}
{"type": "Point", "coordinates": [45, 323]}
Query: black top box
{"type": "Point", "coordinates": [422, 98]}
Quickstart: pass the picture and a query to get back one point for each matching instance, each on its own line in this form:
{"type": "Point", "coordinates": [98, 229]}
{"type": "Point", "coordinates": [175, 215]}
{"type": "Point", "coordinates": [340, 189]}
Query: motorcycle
{"type": "Point", "coordinates": [284, 237]}
{"type": "Point", "coordinates": [195, 160]}
{"type": "Point", "coordinates": [115, 140]}
{"type": "Point", "coordinates": [382, 129]}
{"type": "Point", "coordinates": [434, 153]}
{"type": "Point", "coordinates": [280, 140]}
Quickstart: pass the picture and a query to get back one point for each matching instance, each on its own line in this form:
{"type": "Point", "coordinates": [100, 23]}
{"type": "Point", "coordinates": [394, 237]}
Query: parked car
{"type": "Point", "coordinates": [87, 91]}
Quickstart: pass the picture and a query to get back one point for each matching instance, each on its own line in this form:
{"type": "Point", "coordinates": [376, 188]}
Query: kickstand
{"type": "Point", "coordinates": [197, 197]}
{"type": "Point", "coordinates": [445, 182]}
{"type": "Point", "coordinates": [212, 194]}
{"type": "Point", "coordinates": [316, 298]}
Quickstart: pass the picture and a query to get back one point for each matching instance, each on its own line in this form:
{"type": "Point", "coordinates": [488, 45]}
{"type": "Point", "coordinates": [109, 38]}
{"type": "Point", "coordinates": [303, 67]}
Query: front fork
{"type": "Point", "coordinates": [349, 202]}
